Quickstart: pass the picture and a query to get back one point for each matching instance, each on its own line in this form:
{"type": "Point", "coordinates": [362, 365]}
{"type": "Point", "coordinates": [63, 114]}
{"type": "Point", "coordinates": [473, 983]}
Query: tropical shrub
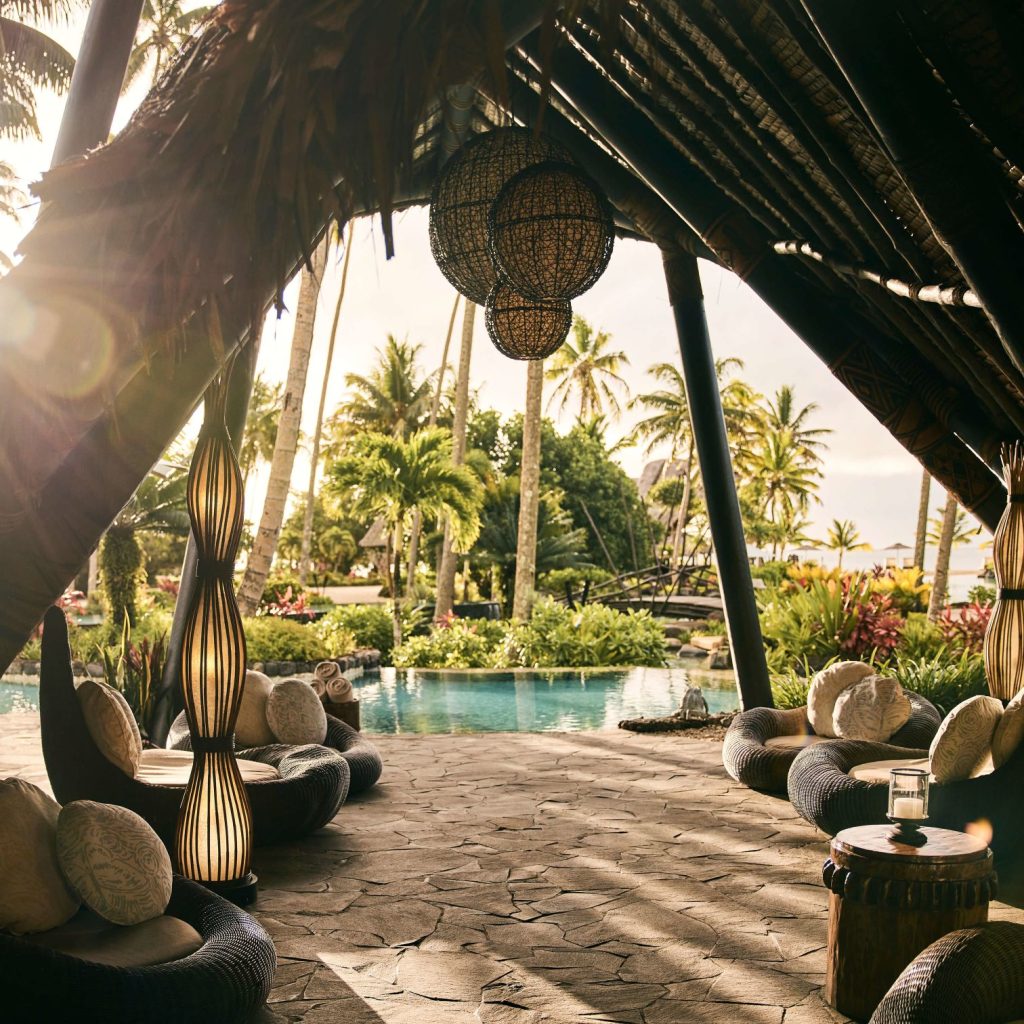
{"type": "Point", "coordinates": [287, 604]}
{"type": "Point", "coordinates": [921, 638]}
{"type": "Point", "coordinates": [964, 628]}
{"type": "Point", "coordinates": [711, 627]}
{"type": "Point", "coordinates": [273, 639]}
{"type": "Point", "coordinates": [362, 625]}
{"type": "Point", "coordinates": [905, 588]}
{"type": "Point", "coordinates": [455, 643]}
{"type": "Point", "coordinates": [133, 668]}
{"type": "Point", "coordinates": [982, 594]}
{"type": "Point", "coordinates": [557, 636]}
{"type": "Point", "coordinates": [555, 581]}
{"type": "Point", "coordinates": [773, 573]}
{"type": "Point", "coordinates": [790, 686]}
{"type": "Point", "coordinates": [944, 680]}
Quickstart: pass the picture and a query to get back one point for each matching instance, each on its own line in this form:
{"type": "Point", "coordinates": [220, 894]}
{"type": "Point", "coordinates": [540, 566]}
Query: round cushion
{"type": "Point", "coordinates": [34, 897]}
{"type": "Point", "coordinates": [114, 861]}
{"type": "Point", "coordinates": [825, 688]}
{"type": "Point", "coordinates": [962, 748]}
{"type": "Point", "coordinates": [111, 724]}
{"type": "Point", "coordinates": [872, 709]}
{"type": "Point", "coordinates": [295, 714]}
{"type": "Point", "coordinates": [251, 728]}
{"type": "Point", "coordinates": [1009, 731]}
{"type": "Point", "coordinates": [878, 771]}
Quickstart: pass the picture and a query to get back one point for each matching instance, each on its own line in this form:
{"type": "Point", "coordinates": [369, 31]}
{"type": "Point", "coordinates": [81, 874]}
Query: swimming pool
{"type": "Point", "coordinates": [16, 697]}
{"type": "Point", "coordinates": [422, 701]}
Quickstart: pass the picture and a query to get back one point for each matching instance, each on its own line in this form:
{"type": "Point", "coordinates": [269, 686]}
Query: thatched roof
{"type": "Point", "coordinates": [887, 141]}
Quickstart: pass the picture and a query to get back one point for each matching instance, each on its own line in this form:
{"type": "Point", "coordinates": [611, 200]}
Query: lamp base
{"type": "Point", "coordinates": [240, 891]}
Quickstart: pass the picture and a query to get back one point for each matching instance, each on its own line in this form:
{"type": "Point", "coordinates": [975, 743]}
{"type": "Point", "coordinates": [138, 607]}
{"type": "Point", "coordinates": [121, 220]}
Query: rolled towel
{"type": "Point", "coordinates": [337, 688]}
{"type": "Point", "coordinates": [319, 687]}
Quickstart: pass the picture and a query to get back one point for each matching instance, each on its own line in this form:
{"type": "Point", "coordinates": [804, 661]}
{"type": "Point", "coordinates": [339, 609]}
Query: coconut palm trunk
{"type": "Point", "coordinates": [940, 579]}
{"type": "Point", "coordinates": [921, 537]}
{"type": "Point", "coordinates": [446, 569]}
{"type": "Point", "coordinates": [684, 509]}
{"type": "Point", "coordinates": [314, 455]}
{"type": "Point", "coordinates": [529, 493]}
{"type": "Point", "coordinates": [258, 567]}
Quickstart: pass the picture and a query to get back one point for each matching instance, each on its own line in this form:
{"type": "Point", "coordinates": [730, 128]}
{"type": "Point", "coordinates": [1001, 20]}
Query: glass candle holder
{"type": "Point", "coordinates": [908, 805]}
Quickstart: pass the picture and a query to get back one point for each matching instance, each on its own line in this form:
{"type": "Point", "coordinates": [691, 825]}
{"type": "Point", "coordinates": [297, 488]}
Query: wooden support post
{"type": "Point", "coordinates": [712, 443]}
{"type": "Point", "coordinates": [97, 78]}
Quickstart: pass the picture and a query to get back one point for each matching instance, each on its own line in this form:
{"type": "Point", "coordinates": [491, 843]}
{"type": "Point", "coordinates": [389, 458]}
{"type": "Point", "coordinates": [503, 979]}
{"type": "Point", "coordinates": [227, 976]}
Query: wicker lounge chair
{"type": "Point", "coordinates": [971, 976]}
{"type": "Point", "coordinates": [825, 793]}
{"type": "Point", "coordinates": [363, 758]}
{"type": "Point", "coordinates": [224, 980]}
{"type": "Point", "coordinates": [312, 784]}
{"type": "Point", "coordinates": [761, 744]}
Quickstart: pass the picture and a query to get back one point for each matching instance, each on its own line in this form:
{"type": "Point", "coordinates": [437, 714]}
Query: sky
{"type": "Point", "coordinates": [869, 478]}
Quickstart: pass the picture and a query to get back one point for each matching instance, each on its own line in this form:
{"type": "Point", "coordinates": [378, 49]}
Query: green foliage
{"type": "Point", "coordinates": [32, 651]}
{"type": "Point", "coordinates": [789, 688]}
{"type": "Point", "coordinates": [133, 668]}
{"type": "Point", "coordinates": [595, 635]}
{"type": "Point", "coordinates": [461, 644]}
{"type": "Point", "coordinates": [555, 581]}
{"type": "Point", "coordinates": [982, 594]}
{"type": "Point", "coordinates": [943, 679]}
{"type": "Point", "coordinates": [773, 573]}
{"type": "Point", "coordinates": [920, 638]}
{"type": "Point", "coordinates": [333, 546]}
{"type": "Point", "coordinates": [904, 587]}
{"type": "Point", "coordinates": [273, 639]}
{"type": "Point", "coordinates": [369, 625]}
{"type": "Point", "coordinates": [121, 574]}
{"type": "Point", "coordinates": [711, 627]}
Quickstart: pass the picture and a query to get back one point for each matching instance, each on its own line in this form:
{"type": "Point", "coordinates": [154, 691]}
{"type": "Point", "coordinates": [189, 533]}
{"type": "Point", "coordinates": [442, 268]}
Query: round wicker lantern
{"type": "Point", "coordinates": [524, 328]}
{"type": "Point", "coordinates": [462, 198]}
{"type": "Point", "coordinates": [550, 231]}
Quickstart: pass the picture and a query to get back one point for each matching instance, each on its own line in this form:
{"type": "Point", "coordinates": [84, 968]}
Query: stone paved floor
{"type": "Point", "coordinates": [543, 879]}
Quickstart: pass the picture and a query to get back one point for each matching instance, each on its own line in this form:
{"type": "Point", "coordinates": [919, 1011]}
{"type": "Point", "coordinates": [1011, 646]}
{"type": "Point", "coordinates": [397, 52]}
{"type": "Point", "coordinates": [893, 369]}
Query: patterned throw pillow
{"type": "Point", "coordinates": [1009, 732]}
{"type": "Point", "coordinates": [826, 687]}
{"type": "Point", "coordinates": [111, 724]}
{"type": "Point", "coordinates": [251, 728]}
{"type": "Point", "coordinates": [872, 709]}
{"type": "Point", "coordinates": [962, 748]}
{"type": "Point", "coordinates": [114, 860]}
{"type": "Point", "coordinates": [33, 894]}
{"type": "Point", "coordinates": [295, 714]}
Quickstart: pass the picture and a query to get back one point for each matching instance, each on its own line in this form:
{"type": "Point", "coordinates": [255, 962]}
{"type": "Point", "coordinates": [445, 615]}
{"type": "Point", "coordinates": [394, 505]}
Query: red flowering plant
{"type": "Point", "coordinates": [287, 604]}
{"type": "Point", "coordinates": [876, 631]}
{"type": "Point", "coordinates": [964, 628]}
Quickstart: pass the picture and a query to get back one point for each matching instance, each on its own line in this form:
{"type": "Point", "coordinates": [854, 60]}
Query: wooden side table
{"type": "Point", "coordinates": [889, 901]}
{"type": "Point", "coordinates": [348, 711]}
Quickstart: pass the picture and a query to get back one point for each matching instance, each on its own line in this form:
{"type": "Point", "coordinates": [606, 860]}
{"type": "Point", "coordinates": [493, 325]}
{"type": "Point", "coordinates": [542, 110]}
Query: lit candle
{"type": "Point", "coordinates": [908, 807]}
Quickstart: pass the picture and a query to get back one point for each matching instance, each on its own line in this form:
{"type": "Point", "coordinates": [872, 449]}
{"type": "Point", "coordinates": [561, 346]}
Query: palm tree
{"type": "Point", "coordinates": [787, 482]}
{"type": "Point", "coordinates": [30, 60]}
{"type": "Point", "coordinates": [391, 478]}
{"type": "Point", "coordinates": [952, 529]}
{"type": "Point", "coordinates": [529, 492]}
{"type": "Point", "coordinates": [261, 555]}
{"type": "Point", "coordinates": [843, 536]}
{"type": "Point", "coordinates": [782, 417]}
{"type": "Point", "coordinates": [393, 399]}
{"type": "Point", "coordinates": [163, 29]}
{"type": "Point", "coordinates": [260, 426]}
{"type": "Point", "coordinates": [158, 506]}
{"type": "Point", "coordinates": [585, 370]}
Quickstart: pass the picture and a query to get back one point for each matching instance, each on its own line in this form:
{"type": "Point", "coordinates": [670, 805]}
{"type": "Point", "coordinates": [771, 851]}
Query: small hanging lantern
{"type": "Point", "coordinates": [524, 328]}
{"type": "Point", "coordinates": [551, 231]}
{"type": "Point", "coordinates": [463, 195]}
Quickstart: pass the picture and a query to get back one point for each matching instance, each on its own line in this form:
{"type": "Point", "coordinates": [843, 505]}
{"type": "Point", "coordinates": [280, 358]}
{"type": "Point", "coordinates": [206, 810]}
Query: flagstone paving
{"type": "Point", "coordinates": [543, 879]}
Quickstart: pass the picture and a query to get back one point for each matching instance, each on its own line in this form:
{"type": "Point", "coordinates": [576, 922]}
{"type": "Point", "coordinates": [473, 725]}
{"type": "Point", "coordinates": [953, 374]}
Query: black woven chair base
{"type": "Point", "coordinates": [971, 976]}
{"type": "Point", "coordinates": [225, 980]}
{"type": "Point", "coordinates": [748, 760]}
{"type": "Point", "coordinates": [364, 761]}
{"type": "Point", "coordinates": [313, 783]}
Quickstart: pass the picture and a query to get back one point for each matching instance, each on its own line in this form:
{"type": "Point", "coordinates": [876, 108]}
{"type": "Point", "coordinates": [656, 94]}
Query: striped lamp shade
{"type": "Point", "coordinates": [1004, 638]}
{"type": "Point", "coordinates": [214, 836]}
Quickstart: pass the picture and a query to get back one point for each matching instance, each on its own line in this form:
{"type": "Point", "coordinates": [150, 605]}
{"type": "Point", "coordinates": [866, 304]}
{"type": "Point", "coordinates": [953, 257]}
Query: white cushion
{"type": "Point", "coordinates": [114, 861]}
{"type": "Point", "coordinates": [825, 688]}
{"type": "Point", "coordinates": [794, 741]}
{"type": "Point", "coordinates": [251, 728]}
{"type": "Point", "coordinates": [295, 713]}
{"type": "Point", "coordinates": [962, 748]}
{"type": "Point", "coordinates": [34, 896]}
{"type": "Point", "coordinates": [878, 771]}
{"type": "Point", "coordinates": [111, 724]}
{"type": "Point", "coordinates": [872, 709]}
{"type": "Point", "coordinates": [1009, 731]}
{"type": "Point", "coordinates": [173, 767]}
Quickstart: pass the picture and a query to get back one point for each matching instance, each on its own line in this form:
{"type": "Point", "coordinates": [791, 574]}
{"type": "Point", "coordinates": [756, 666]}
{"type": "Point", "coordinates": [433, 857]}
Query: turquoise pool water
{"type": "Point", "coordinates": [420, 701]}
{"type": "Point", "coordinates": [17, 697]}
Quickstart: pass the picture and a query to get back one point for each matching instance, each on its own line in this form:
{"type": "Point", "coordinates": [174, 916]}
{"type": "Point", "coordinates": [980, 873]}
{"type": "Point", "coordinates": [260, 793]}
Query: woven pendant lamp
{"type": "Point", "coordinates": [551, 231]}
{"type": "Point", "coordinates": [1004, 637]}
{"type": "Point", "coordinates": [522, 328]}
{"type": "Point", "coordinates": [214, 836]}
{"type": "Point", "coordinates": [462, 198]}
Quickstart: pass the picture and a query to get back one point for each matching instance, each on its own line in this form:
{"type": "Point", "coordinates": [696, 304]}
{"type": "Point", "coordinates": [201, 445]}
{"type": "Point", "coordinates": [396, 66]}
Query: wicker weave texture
{"type": "Point", "coordinates": [224, 980]}
{"type": "Point", "coordinates": [313, 784]}
{"type": "Point", "coordinates": [523, 328]}
{"type": "Point", "coordinates": [971, 976]}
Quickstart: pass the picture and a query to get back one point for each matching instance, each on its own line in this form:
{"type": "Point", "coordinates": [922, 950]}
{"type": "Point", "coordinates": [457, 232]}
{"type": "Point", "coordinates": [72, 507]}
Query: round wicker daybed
{"type": "Point", "coordinates": [224, 980]}
{"type": "Point", "coordinates": [762, 744]}
{"type": "Point", "coordinates": [308, 784]}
